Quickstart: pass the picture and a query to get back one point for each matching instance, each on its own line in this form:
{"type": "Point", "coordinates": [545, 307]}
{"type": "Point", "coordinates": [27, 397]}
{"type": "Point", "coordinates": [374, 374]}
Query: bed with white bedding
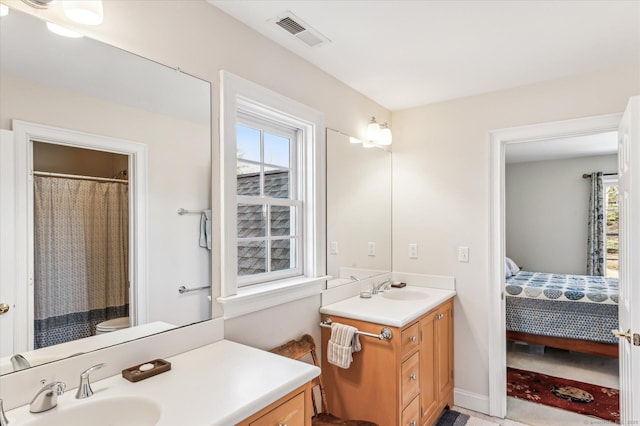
{"type": "Point", "coordinates": [574, 312]}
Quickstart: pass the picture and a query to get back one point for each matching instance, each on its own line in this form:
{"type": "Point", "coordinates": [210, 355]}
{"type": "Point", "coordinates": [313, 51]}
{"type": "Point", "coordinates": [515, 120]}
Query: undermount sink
{"type": "Point", "coordinates": [113, 411]}
{"type": "Point", "coordinates": [404, 295]}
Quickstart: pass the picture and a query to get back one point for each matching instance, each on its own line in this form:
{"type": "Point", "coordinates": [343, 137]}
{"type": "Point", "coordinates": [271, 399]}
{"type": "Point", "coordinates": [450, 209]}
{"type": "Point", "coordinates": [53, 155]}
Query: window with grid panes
{"type": "Point", "coordinates": [269, 201]}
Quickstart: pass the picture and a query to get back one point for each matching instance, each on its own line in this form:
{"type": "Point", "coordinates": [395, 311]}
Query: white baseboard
{"type": "Point", "coordinates": [471, 401]}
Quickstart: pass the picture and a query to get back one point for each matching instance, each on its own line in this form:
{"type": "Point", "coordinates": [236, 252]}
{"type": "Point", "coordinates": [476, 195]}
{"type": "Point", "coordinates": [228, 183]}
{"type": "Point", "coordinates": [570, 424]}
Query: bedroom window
{"type": "Point", "coordinates": [611, 226]}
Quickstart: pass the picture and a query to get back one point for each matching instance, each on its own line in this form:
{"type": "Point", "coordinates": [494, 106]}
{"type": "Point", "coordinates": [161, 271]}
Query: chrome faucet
{"type": "Point", "coordinates": [18, 362]}
{"type": "Point", "coordinates": [47, 397]}
{"type": "Point", "coordinates": [381, 287]}
{"type": "Point", "coordinates": [84, 390]}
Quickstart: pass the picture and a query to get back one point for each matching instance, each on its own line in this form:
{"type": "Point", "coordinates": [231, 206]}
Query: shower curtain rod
{"type": "Point", "coordinates": [62, 175]}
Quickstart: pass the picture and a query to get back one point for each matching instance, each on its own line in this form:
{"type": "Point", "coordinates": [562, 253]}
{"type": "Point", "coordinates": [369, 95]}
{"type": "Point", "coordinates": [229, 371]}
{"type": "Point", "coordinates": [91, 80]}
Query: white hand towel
{"type": "Point", "coordinates": [343, 342]}
{"type": "Point", "coordinates": [205, 229]}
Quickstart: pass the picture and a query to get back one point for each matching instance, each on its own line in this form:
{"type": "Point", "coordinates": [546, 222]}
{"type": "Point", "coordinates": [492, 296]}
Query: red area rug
{"type": "Point", "coordinates": [581, 398]}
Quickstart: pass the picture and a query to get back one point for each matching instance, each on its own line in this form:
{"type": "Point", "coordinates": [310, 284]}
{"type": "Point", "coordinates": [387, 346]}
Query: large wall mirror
{"type": "Point", "coordinates": [358, 210]}
{"type": "Point", "coordinates": [83, 86]}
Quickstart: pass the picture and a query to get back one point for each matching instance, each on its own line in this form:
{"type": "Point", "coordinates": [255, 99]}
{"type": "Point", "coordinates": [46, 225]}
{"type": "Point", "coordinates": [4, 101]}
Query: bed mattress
{"type": "Point", "coordinates": [559, 305]}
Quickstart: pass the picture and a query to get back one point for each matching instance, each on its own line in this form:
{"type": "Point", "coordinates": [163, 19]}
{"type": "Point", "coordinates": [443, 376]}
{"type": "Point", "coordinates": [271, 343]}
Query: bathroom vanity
{"type": "Point", "coordinates": [223, 383]}
{"type": "Point", "coordinates": [407, 380]}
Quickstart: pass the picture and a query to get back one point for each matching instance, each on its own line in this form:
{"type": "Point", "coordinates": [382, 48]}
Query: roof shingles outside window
{"type": "Point", "coordinates": [252, 223]}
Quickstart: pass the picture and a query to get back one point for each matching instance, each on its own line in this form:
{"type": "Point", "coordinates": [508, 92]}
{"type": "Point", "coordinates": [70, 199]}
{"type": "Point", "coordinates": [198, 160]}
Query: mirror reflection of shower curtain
{"type": "Point", "coordinates": [81, 268]}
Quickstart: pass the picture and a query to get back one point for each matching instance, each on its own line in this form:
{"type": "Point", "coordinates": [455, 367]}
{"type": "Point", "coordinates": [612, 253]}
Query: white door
{"type": "Point", "coordinates": [629, 303]}
{"type": "Point", "coordinates": [7, 243]}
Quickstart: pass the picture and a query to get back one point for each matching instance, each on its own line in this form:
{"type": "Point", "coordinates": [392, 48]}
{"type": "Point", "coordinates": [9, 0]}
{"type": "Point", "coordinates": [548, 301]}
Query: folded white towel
{"type": "Point", "coordinates": [343, 342]}
{"type": "Point", "coordinates": [205, 229]}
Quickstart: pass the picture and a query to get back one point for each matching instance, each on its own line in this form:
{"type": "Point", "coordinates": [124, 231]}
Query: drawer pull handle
{"type": "Point", "coordinates": [413, 377]}
{"type": "Point", "coordinates": [413, 339]}
{"type": "Point", "coordinates": [413, 423]}
{"type": "Point", "coordinates": [282, 424]}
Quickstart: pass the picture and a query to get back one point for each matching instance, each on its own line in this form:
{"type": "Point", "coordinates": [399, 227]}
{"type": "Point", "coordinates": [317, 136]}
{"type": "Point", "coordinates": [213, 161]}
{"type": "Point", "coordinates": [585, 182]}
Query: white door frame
{"type": "Point", "coordinates": [497, 327]}
{"type": "Point", "coordinates": [25, 134]}
{"type": "Point", "coordinates": [7, 242]}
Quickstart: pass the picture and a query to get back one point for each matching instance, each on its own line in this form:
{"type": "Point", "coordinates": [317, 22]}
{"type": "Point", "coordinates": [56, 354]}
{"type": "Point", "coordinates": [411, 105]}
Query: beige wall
{"type": "Point", "coordinates": [546, 204]}
{"type": "Point", "coordinates": [201, 40]}
{"type": "Point", "coordinates": [441, 189]}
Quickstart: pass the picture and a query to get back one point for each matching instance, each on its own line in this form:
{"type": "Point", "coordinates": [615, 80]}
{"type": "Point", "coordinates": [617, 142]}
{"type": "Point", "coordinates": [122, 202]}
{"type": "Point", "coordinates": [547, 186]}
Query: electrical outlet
{"type": "Point", "coordinates": [371, 250]}
{"type": "Point", "coordinates": [413, 251]}
{"type": "Point", "coordinates": [333, 247]}
{"type": "Point", "coordinates": [463, 254]}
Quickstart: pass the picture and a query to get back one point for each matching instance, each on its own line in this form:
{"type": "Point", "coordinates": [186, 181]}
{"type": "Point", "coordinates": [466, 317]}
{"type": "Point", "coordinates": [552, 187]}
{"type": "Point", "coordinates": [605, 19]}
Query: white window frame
{"type": "Point", "coordinates": [295, 199]}
{"type": "Point", "coordinates": [240, 96]}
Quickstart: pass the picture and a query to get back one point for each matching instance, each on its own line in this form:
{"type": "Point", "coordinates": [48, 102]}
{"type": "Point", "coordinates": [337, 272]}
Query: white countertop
{"type": "Point", "coordinates": [87, 344]}
{"type": "Point", "coordinates": [218, 384]}
{"type": "Point", "coordinates": [381, 310]}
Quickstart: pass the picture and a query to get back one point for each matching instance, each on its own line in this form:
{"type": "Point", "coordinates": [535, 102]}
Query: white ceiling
{"type": "Point", "coordinates": [563, 148]}
{"type": "Point", "coordinates": [99, 70]}
{"type": "Point", "coordinates": [404, 54]}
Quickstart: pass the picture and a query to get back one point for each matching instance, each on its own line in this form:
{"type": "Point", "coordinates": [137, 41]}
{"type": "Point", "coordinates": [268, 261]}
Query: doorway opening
{"type": "Point", "coordinates": [81, 243]}
{"type": "Point", "coordinates": [500, 139]}
{"type": "Point", "coordinates": [560, 290]}
{"type": "Point", "coordinates": [110, 172]}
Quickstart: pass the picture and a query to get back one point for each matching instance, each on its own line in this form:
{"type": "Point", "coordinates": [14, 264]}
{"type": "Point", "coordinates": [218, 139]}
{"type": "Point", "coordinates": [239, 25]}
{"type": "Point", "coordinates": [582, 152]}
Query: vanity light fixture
{"type": "Point", "coordinates": [373, 130]}
{"type": "Point", "coordinates": [62, 31]}
{"type": "Point", "coordinates": [4, 10]}
{"type": "Point", "coordinates": [40, 4]}
{"type": "Point", "coordinates": [379, 134]}
{"type": "Point", "coordinates": [86, 12]}
{"type": "Point", "coordinates": [385, 135]}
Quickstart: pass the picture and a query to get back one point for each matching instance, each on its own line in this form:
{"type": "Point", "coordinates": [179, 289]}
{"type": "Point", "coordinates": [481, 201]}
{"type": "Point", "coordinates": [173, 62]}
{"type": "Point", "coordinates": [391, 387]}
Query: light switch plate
{"type": "Point", "coordinates": [371, 250]}
{"type": "Point", "coordinates": [463, 254]}
{"type": "Point", "coordinates": [413, 251]}
{"type": "Point", "coordinates": [333, 247]}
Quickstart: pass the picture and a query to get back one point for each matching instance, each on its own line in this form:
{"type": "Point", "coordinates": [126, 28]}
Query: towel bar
{"type": "Point", "coordinates": [385, 333]}
{"type": "Point", "coordinates": [182, 211]}
{"type": "Point", "coordinates": [182, 289]}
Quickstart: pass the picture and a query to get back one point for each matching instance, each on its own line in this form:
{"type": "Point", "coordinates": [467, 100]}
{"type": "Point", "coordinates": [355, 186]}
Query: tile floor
{"type": "Point", "coordinates": [554, 362]}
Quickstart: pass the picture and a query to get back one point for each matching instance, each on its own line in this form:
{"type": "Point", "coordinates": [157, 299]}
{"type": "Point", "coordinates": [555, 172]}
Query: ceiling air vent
{"type": "Point", "coordinates": [300, 29]}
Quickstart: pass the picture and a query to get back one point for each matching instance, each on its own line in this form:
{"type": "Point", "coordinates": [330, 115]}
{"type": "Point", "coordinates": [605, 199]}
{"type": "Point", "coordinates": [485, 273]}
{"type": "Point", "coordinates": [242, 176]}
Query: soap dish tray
{"type": "Point", "coordinates": [134, 374]}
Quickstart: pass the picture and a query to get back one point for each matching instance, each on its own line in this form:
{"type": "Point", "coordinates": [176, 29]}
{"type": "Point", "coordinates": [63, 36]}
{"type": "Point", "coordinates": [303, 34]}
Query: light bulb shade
{"type": "Point", "coordinates": [87, 12]}
{"type": "Point", "coordinates": [373, 130]}
{"type": "Point", "coordinates": [62, 31]}
{"type": "Point", "coordinates": [4, 10]}
{"type": "Point", "coordinates": [385, 136]}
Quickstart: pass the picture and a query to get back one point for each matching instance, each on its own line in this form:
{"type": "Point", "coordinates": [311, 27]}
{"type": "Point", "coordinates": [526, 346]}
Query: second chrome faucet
{"type": "Point", "coordinates": [84, 390]}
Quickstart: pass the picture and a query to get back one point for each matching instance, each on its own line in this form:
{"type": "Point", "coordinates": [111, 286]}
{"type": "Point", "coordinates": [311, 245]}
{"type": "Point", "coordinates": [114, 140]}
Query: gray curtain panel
{"type": "Point", "coordinates": [596, 250]}
{"type": "Point", "coordinates": [81, 259]}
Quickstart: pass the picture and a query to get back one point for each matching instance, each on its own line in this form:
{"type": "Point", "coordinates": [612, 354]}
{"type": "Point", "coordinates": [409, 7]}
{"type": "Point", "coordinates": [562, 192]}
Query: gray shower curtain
{"type": "Point", "coordinates": [595, 235]}
{"type": "Point", "coordinates": [81, 267]}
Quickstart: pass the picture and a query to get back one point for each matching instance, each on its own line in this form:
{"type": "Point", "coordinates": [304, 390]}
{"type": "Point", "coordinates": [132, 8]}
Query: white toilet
{"type": "Point", "coordinates": [112, 325]}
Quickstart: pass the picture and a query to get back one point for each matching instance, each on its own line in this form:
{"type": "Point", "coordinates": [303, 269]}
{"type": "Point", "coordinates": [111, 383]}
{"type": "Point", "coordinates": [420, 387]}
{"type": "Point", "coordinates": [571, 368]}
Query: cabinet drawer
{"type": "Point", "coordinates": [410, 379]}
{"type": "Point", "coordinates": [290, 413]}
{"type": "Point", "coordinates": [409, 339]}
{"type": "Point", "coordinates": [411, 414]}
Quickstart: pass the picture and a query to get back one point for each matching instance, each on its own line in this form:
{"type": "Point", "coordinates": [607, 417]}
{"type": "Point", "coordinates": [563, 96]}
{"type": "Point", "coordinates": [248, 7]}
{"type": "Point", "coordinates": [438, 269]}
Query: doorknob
{"type": "Point", "coordinates": [619, 334]}
{"type": "Point", "coordinates": [4, 308]}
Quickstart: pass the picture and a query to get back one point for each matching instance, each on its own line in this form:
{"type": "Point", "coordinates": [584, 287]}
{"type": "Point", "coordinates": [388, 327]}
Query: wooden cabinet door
{"type": "Point", "coordinates": [428, 380]}
{"type": "Point", "coordinates": [444, 348]}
